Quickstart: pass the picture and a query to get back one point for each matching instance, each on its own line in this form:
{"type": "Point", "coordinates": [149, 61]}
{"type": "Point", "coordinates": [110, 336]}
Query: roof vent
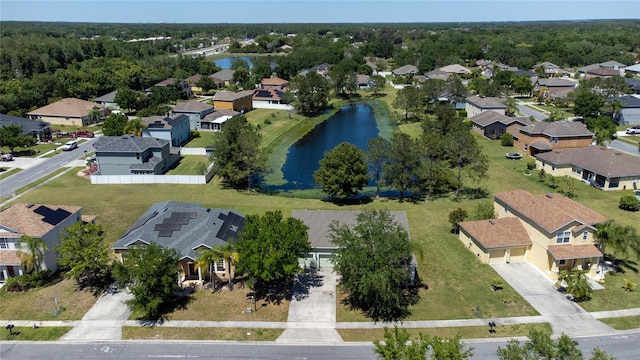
{"type": "Point", "coordinates": [492, 222]}
{"type": "Point", "coordinates": [550, 196]}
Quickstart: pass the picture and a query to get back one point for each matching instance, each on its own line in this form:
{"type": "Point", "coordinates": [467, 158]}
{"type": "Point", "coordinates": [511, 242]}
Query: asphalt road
{"type": "Point", "coordinates": [526, 111]}
{"type": "Point", "coordinates": [624, 147]}
{"type": "Point", "coordinates": [622, 347]}
{"type": "Point", "coordinates": [9, 185]}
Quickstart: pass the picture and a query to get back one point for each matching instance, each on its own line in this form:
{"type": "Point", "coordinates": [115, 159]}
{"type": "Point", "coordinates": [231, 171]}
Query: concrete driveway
{"type": "Point", "coordinates": [564, 315]}
{"type": "Point", "coordinates": [104, 320]}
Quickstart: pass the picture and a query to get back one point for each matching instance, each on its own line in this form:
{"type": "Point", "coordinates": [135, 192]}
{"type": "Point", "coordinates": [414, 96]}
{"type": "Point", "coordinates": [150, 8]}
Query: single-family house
{"type": "Point", "coordinates": [482, 63]}
{"type": "Point", "coordinates": [437, 75]}
{"type": "Point", "coordinates": [195, 110]}
{"type": "Point", "coordinates": [602, 73]}
{"type": "Point", "coordinates": [188, 228]}
{"type": "Point", "coordinates": [603, 168]}
{"type": "Point", "coordinates": [174, 128]}
{"type": "Point", "coordinates": [224, 76]}
{"type": "Point", "coordinates": [634, 84]}
{"type": "Point", "coordinates": [108, 100]}
{"type": "Point", "coordinates": [215, 120]}
{"type": "Point", "coordinates": [554, 88]}
{"type": "Point", "coordinates": [363, 81]}
{"type": "Point", "coordinates": [493, 124]}
{"type": "Point", "coordinates": [274, 83]}
{"type": "Point", "coordinates": [476, 105]}
{"type": "Point", "coordinates": [193, 83]}
{"type": "Point", "coordinates": [70, 111]}
{"type": "Point", "coordinates": [322, 70]}
{"type": "Point", "coordinates": [241, 101]}
{"type": "Point", "coordinates": [633, 69]}
{"type": "Point", "coordinates": [267, 96]}
{"type": "Point", "coordinates": [319, 223]}
{"type": "Point", "coordinates": [583, 71]}
{"type": "Point", "coordinates": [456, 69]}
{"type": "Point", "coordinates": [173, 81]}
{"type": "Point", "coordinates": [629, 113]}
{"type": "Point", "coordinates": [547, 136]}
{"type": "Point", "coordinates": [550, 231]}
{"type": "Point", "coordinates": [39, 221]}
{"type": "Point", "coordinates": [129, 155]}
{"type": "Point", "coordinates": [550, 69]}
{"type": "Point", "coordinates": [406, 70]}
{"type": "Point", "coordinates": [40, 130]}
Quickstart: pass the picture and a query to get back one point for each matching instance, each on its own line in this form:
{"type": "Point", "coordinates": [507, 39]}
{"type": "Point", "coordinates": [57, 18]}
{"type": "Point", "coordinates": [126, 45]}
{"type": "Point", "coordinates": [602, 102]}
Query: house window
{"type": "Point", "coordinates": [563, 237]}
{"type": "Point", "coordinates": [585, 235]}
{"type": "Point", "coordinates": [219, 266]}
{"type": "Point", "coordinates": [576, 170]}
{"type": "Point", "coordinates": [526, 147]}
{"type": "Point", "coordinates": [3, 243]}
{"type": "Point", "coordinates": [506, 210]}
{"type": "Point", "coordinates": [138, 156]}
{"type": "Point", "coordinates": [562, 262]}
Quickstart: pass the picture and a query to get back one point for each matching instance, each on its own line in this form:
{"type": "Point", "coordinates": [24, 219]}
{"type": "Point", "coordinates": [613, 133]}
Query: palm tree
{"type": "Point", "coordinates": [32, 252]}
{"type": "Point", "coordinates": [230, 255]}
{"type": "Point", "coordinates": [94, 116]}
{"type": "Point", "coordinates": [134, 127]}
{"type": "Point", "coordinates": [620, 239]}
{"type": "Point", "coordinates": [206, 258]}
{"type": "Point", "coordinates": [577, 284]}
{"type": "Point", "coordinates": [512, 106]}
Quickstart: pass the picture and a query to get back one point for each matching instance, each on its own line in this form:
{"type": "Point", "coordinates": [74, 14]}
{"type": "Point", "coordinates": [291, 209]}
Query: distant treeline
{"type": "Point", "coordinates": [41, 62]}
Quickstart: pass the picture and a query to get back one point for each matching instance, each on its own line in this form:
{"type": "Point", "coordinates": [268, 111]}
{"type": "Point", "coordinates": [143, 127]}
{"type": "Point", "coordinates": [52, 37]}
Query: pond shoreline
{"type": "Point", "coordinates": [279, 148]}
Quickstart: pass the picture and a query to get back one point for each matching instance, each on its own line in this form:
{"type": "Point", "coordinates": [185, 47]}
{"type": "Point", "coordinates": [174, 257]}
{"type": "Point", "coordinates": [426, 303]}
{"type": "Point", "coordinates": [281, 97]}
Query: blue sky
{"type": "Point", "coordinates": [315, 11]}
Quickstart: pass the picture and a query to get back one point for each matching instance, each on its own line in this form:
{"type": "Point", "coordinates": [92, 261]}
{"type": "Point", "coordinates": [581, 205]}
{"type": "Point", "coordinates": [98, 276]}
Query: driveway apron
{"type": "Point", "coordinates": [312, 312]}
{"type": "Point", "coordinates": [104, 320]}
{"type": "Point", "coordinates": [564, 315]}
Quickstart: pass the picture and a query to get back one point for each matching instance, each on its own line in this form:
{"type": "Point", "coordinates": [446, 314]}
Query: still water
{"type": "Point", "coordinates": [354, 124]}
{"type": "Point", "coordinates": [225, 63]}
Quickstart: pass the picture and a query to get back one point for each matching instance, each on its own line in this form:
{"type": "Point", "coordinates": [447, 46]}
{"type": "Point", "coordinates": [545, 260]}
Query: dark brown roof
{"type": "Point", "coordinates": [566, 252]}
{"type": "Point", "coordinates": [602, 161]}
{"type": "Point", "coordinates": [497, 233]}
{"type": "Point", "coordinates": [549, 211]}
{"type": "Point", "coordinates": [558, 129]}
{"type": "Point", "coordinates": [541, 145]}
{"type": "Point", "coordinates": [489, 117]}
{"type": "Point", "coordinates": [604, 72]}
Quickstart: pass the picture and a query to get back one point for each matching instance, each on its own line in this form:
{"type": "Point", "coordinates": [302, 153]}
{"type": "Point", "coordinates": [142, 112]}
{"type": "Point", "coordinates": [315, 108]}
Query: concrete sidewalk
{"type": "Point", "coordinates": [104, 320]}
{"type": "Point", "coordinates": [536, 288]}
{"type": "Point", "coordinates": [312, 311]}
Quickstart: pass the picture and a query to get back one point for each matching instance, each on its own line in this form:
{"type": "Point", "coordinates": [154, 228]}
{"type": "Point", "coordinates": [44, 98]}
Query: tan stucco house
{"type": "Point", "coordinates": [476, 105]}
{"type": "Point", "coordinates": [550, 231]}
{"type": "Point", "coordinates": [604, 168]}
{"type": "Point", "coordinates": [237, 101]}
{"type": "Point", "coordinates": [70, 111]}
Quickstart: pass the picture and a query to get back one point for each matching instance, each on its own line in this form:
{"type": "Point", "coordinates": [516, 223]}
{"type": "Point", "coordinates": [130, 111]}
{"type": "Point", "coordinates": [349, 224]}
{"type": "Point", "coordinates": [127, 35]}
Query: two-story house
{"type": "Point", "coordinates": [39, 221]}
{"type": "Point", "coordinates": [550, 231]}
{"type": "Point", "coordinates": [128, 155]}
{"type": "Point", "coordinates": [174, 128]}
{"type": "Point", "coordinates": [554, 88]}
{"type": "Point", "coordinates": [241, 101]}
{"type": "Point", "coordinates": [187, 228]}
{"type": "Point", "coordinates": [195, 110]}
{"type": "Point", "coordinates": [546, 136]}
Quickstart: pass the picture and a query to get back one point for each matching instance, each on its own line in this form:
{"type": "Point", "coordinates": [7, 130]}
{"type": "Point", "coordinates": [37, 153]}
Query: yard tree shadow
{"type": "Point", "coordinates": [306, 279]}
{"type": "Point", "coordinates": [179, 301]}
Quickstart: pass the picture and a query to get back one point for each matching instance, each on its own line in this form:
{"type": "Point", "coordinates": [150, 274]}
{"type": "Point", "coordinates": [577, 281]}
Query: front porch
{"type": "Point", "coordinates": [567, 257]}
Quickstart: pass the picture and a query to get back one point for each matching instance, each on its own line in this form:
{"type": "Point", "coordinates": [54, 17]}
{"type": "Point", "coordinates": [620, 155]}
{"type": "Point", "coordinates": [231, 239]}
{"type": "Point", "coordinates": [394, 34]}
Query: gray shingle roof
{"type": "Point", "coordinates": [558, 129]}
{"type": "Point", "coordinates": [191, 106]}
{"type": "Point", "coordinates": [556, 82]}
{"type": "Point", "coordinates": [26, 124]}
{"type": "Point", "coordinates": [319, 221]}
{"type": "Point", "coordinates": [224, 75]}
{"type": "Point", "coordinates": [164, 122]}
{"type": "Point", "coordinates": [489, 117]}
{"type": "Point", "coordinates": [110, 97]}
{"type": "Point", "coordinates": [486, 102]}
{"type": "Point", "coordinates": [127, 143]}
{"type": "Point", "coordinates": [226, 95]}
{"type": "Point", "coordinates": [183, 227]}
{"type": "Point", "coordinates": [405, 70]}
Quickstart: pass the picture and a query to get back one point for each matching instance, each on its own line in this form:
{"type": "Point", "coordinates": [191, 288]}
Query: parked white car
{"type": "Point", "coordinates": [633, 130]}
{"type": "Point", "coordinates": [69, 145]}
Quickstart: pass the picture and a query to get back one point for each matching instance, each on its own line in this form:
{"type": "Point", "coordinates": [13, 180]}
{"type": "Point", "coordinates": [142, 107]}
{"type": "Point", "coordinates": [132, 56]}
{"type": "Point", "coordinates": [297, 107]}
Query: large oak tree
{"type": "Point", "coordinates": [343, 171]}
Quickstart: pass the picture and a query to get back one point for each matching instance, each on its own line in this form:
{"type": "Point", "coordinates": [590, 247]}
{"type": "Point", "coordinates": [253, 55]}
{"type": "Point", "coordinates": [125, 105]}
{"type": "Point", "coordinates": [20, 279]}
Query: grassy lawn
{"type": "Point", "coordinates": [31, 334]}
{"type": "Point", "coordinates": [633, 140]}
{"type": "Point", "coordinates": [566, 112]}
{"type": "Point", "coordinates": [44, 179]}
{"type": "Point", "coordinates": [40, 304]}
{"type": "Point", "coordinates": [190, 165]}
{"type": "Point", "coordinates": [623, 323]}
{"type": "Point", "coordinates": [225, 334]}
{"type": "Point", "coordinates": [32, 151]}
{"type": "Point", "coordinates": [227, 306]}
{"type": "Point", "coordinates": [465, 332]}
{"type": "Point", "coordinates": [4, 173]}
{"type": "Point", "coordinates": [204, 140]}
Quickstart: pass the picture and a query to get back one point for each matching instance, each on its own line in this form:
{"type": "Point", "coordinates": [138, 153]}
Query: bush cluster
{"type": "Point", "coordinates": [629, 203]}
{"type": "Point", "coordinates": [28, 281]}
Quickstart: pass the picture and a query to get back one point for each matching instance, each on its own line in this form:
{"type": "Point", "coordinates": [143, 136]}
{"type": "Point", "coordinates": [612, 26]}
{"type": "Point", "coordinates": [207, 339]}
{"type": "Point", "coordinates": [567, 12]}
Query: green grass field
{"type": "Point", "coordinates": [190, 165]}
{"type": "Point", "coordinates": [31, 334]}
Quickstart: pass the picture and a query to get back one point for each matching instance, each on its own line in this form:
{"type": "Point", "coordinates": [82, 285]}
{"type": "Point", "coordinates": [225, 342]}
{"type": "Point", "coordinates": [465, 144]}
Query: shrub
{"type": "Point", "coordinates": [628, 285]}
{"type": "Point", "coordinates": [462, 113]}
{"type": "Point", "coordinates": [542, 175]}
{"type": "Point", "coordinates": [629, 203]}
{"type": "Point", "coordinates": [28, 281]}
{"type": "Point", "coordinates": [497, 284]}
{"type": "Point", "coordinates": [267, 121]}
{"type": "Point", "coordinates": [531, 165]}
{"type": "Point", "coordinates": [506, 139]}
{"type": "Point", "coordinates": [193, 134]}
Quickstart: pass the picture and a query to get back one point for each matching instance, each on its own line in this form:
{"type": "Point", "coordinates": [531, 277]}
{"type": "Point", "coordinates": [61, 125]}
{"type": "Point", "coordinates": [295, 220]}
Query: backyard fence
{"type": "Point", "coordinates": [154, 179]}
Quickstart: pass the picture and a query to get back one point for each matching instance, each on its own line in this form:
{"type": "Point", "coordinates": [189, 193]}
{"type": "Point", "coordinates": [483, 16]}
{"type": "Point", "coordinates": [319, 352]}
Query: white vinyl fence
{"type": "Point", "coordinates": [154, 179]}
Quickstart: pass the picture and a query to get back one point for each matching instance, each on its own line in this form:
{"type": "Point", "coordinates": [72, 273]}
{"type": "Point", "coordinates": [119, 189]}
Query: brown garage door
{"type": "Point", "coordinates": [496, 256]}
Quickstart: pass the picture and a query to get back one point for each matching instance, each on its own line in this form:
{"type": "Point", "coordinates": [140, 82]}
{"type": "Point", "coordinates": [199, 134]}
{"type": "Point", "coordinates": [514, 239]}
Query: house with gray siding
{"type": "Point", "coordinates": [629, 114]}
{"type": "Point", "coordinates": [40, 130]}
{"type": "Point", "coordinates": [129, 155]}
{"type": "Point", "coordinates": [195, 110]}
{"type": "Point", "coordinates": [174, 128]}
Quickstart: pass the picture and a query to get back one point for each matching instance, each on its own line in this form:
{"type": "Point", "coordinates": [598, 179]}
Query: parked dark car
{"type": "Point", "coordinates": [85, 134]}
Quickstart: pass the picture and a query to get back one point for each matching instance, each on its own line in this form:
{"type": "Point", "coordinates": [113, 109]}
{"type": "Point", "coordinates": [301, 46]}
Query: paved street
{"type": "Point", "coordinates": [526, 111]}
